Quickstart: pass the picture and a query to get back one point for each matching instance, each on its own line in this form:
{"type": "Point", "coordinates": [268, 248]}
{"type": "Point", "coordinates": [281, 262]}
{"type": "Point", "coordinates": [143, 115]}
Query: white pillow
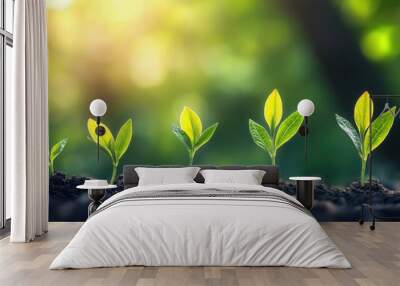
{"type": "Point", "coordinates": [164, 176]}
{"type": "Point", "coordinates": [248, 177]}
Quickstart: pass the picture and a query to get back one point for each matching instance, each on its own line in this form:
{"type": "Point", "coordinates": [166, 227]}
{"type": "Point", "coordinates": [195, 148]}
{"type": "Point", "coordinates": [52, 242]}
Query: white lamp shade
{"type": "Point", "coordinates": [98, 107]}
{"type": "Point", "coordinates": [306, 107]}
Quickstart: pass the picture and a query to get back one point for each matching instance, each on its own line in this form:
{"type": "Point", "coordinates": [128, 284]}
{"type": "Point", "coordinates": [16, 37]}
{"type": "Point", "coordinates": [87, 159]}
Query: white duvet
{"type": "Point", "coordinates": [200, 231]}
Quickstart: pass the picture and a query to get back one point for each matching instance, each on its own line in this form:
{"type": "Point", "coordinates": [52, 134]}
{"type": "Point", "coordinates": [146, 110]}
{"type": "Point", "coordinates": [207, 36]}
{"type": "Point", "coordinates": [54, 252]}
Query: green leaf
{"type": "Point", "coordinates": [123, 139]}
{"type": "Point", "coordinates": [348, 128]}
{"type": "Point", "coordinates": [260, 136]}
{"type": "Point", "coordinates": [191, 124]}
{"type": "Point", "coordinates": [380, 129]}
{"type": "Point", "coordinates": [288, 129]}
{"type": "Point", "coordinates": [57, 149]}
{"type": "Point", "coordinates": [206, 136]}
{"type": "Point", "coordinates": [183, 137]}
{"type": "Point", "coordinates": [362, 112]}
{"type": "Point", "coordinates": [273, 109]}
{"type": "Point", "coordinates": [106, 141]}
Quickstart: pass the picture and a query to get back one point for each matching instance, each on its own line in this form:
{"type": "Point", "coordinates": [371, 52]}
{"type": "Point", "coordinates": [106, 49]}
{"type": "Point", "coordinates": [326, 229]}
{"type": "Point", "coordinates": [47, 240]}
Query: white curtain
{"type": "Point", "coordinates": [27, 124]}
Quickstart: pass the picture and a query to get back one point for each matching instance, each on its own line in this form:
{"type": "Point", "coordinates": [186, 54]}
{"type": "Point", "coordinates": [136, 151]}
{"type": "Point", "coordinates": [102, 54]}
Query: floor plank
{"type": "Point", "coordinates": [375, 257]}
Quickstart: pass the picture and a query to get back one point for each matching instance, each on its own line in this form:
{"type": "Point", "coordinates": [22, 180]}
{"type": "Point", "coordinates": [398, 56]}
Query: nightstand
{"type": "Point", "coordinates": [96, 193]}
{"type": "Point", "coordinates": [305, 190]}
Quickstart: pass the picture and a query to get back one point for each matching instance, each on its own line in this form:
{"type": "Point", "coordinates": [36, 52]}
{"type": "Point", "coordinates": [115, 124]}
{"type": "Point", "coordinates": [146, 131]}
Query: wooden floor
{"type": "Point", "coordinates": [375, 257]}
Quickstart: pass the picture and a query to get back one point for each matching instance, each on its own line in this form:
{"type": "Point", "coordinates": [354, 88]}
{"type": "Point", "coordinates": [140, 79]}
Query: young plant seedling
{"type": "Point", "coordinates": [363, 111]}
{"type": "Point", "coordinates": [190, 132]}
{"type": "Point", "coordinates": [55, 151]}
{"type": "Point", "coordinates": [277, 134]}
{"type": "Point", "coordinates": [115, 148]}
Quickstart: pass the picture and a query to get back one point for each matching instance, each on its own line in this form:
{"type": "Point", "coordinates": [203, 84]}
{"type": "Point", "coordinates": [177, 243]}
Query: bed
{"type": "Point", "coordinates": [198, 224]}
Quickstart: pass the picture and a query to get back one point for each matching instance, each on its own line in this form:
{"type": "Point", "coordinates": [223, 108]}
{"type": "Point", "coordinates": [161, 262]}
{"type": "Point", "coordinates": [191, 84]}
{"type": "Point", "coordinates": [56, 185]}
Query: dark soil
{"type": "Point", "coordinates": [344, 203]}
{"type": "Point", "coordinates": [331, 203]}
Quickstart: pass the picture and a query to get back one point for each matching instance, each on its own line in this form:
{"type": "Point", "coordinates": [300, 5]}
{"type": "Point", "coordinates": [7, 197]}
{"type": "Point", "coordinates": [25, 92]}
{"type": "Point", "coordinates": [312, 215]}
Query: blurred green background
{"type": "Point", "coordinates": [149, 58]}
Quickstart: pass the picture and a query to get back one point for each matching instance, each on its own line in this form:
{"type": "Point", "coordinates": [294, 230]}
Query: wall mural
{"type": "Point", "coordinates": [168, 69]}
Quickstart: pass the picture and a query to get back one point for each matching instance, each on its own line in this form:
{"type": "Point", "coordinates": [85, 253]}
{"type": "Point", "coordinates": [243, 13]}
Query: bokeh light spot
{"type": "Point", "coordinates": [148, 63]}
{"type": "Point", "coordinates": [381, 43]}
{"type": "Point", "coordinates": [359, 10]}
{"type": "Point", "coordinates": [59, 4]}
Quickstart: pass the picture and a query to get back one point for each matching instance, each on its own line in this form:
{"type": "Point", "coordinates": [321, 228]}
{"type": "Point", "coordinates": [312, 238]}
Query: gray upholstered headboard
{"type": "Point", "coordinates": [271, 177]}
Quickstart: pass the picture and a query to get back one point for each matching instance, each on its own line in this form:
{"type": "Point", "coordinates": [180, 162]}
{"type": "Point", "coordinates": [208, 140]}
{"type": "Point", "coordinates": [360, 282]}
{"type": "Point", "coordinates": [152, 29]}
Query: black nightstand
{"type": "Point", "coordinates": [96, 193]}
{"type": "Point", "coordinates": [305, 190]}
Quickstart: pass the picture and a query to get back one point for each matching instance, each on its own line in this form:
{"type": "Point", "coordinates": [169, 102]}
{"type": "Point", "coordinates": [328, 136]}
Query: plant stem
{"type": "Point", "coordinates": [114, 173]}
{"type": "Point", "coordinates": [363, 166]}
{"type": "Point", "coordinates": [51, 168]}
{"type": "Point", "coordinates": [273, 156]}
{"type": "Point", "coordinates": [191, 156]}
